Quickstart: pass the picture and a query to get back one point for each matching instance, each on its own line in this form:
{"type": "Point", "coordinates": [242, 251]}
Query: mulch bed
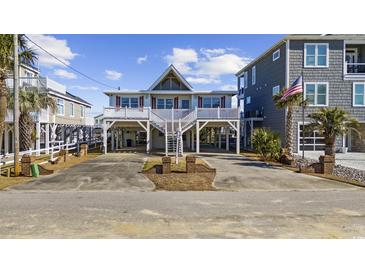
{"type": "Point", "coordinates": [177, 181]}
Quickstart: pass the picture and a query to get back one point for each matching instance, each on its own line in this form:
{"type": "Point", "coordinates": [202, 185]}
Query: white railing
{"type": "Point", "coordinates": [355, 68]}
{"type": "Point", "coordinates": [9, 158]}
{"type": "Point", "coordinates": [158, 120]}
{"type": "Point", "coordinates": [217, 113]}
{"type": "Point", "coordinates": [126, 113]}
{"type": "Point", "coordinates": [188, 119]}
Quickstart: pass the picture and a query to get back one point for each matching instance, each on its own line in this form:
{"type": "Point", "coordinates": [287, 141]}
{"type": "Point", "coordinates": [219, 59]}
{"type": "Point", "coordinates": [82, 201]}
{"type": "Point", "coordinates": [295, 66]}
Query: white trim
{"type": "Point", "coordinates": [277, 57]}
{"type": "Point", "coordinates": [253, 75]}
{"type": "Point", "coordinates": [353, 94]}
{"type": "Point", "coordinates": [68, 99]}
{"type": "Point", "coordinates": [248, 101]}
{"type": "Point", "coordinates": [316, 55]}
{"type": "Point", "coordinates": [63, 107]}
{"type": "Point", "coordinates": [315, 93]}
{"type": "Point", "coordinates": [72, 109]}
{"type": "Point", "coordinates": [178, 74]}
{"type": "Point", "coordinates": [82, 112]}
{"type": "Point", "coordinates": [129, 101]}
{"type": "Point", "coordinates": [245, 79]}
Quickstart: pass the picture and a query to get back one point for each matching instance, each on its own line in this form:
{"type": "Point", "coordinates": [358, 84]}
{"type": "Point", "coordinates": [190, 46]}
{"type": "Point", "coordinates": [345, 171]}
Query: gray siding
{"type": "Point", "coordinates": [340, 90]}
{"type": "Point", "coordinates": [269, 73]}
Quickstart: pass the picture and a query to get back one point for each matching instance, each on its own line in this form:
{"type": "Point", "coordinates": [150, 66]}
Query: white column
{"type": "Point", "coordinates": [244, 134]}
{"type": "Point", "coordinates": [151, 137]}
{"type": "Point", "coordinates": [38, 137]}
{"type": "Point", "coordinates": [6, 139]}
{"type": "Point", "coordinates": [251, 124]}
{"type": "Point", "coordinates": [113, 143]}
{"type": "Point", "coordinates": [227, 139]}
{"type": "Point", "coordinates": [117, 145]}
{"type": "Point", "coordinates": [47, 138]}
{"type": "Point", "coordinates": [219, 138]}
{"type": "Point", "coordinates": [148, 145]}
{"type": "Point", "coordinates": [105, 138]}
{"type": "Point", "coordinates": [238, 138]}
{"type": "Point", "coordinates": [192, 139]}
{"type": "Point", "coordinates": [197, 137]}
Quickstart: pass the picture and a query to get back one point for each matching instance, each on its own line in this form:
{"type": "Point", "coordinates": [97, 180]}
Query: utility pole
{"type": "Point", "coordinates": [16, 107]}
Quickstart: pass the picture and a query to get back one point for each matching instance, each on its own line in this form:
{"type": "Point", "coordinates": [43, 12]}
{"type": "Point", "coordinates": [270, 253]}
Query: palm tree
{"type": "Point", "coordinates": [26, 55]}
{"type": "Point", "coordinates": [332, 122]}
{"type": "Point", "coordinates": [31, 101]}
{"type": "Point", "coordinates": [289, 103]}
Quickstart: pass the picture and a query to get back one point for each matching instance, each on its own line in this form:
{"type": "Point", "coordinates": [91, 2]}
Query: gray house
{"type": "Point", "coordinates": [333, 70]}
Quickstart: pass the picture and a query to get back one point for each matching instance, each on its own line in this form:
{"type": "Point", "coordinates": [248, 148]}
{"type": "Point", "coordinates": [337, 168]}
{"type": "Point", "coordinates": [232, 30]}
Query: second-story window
{"type": "Point", "coordinates": [248, 100]}
{"type": "Point", "coordinates": [82, 111]}
{"type": "Point", "coordinates": [316, 94]}
{"type": "Point", "coordinates": [245, 79]}
{"type": "Point", "coordinates": [60, 106]}
{"type": "Point", "coordinates": [276, 90]}
{"type": "Point", "coordinates": [211, 102]}
{"type": "Point", "coordinates": [276, 55]}
{"type": "Point", "coordinates": [72, 110]}
{"type": "Point", "coordinates": [253, 75]}
{"type": "Point", "coordinates": [359, 94]}
{"type": "Point", "coordinates": [315, 55]}
{"type": "Point", "coordinates": [130, 102]}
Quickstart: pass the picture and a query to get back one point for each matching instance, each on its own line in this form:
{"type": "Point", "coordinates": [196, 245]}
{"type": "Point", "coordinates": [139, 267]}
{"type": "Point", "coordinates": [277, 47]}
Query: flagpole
{"type": "Point", "coordinates": [302, 118]}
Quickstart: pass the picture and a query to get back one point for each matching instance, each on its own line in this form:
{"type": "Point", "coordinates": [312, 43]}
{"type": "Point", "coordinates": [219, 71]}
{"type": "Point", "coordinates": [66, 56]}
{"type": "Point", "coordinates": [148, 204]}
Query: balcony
{"type": "Point", "coordinates": [354, 61]}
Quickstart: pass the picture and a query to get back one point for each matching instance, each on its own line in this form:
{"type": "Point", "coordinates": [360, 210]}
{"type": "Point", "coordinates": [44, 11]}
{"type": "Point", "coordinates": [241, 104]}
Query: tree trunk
{"type": "Point", "coordinates": [289, 131]}
{"type": "Point", "coordinates": [330, 146]}
{"type": "Point", "coordinates": [3, 106]}
{"type": "Point", "coordinates": [26, 127]}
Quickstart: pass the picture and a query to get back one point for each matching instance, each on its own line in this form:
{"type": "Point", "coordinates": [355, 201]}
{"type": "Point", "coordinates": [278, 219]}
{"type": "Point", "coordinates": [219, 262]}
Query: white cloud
{"type": "Point", "coordinates": [113, 75]}
{"type": "Point", "coordinates": [64, 74]}
{"type": "Point", "coordinates": [207, 65]}
{"type": "Point", "coordinates": [141, 60]}
{"type": "Point", "coordinates": [182, 58]}
{"type": "Point", "coordinates": [229, 87]}
{"type": "Point", "coordinates": [57, 47]}
{"type": "Point", "coordinates": [85, 87]}
{"type": "Point", "coordinates": [202, 80]}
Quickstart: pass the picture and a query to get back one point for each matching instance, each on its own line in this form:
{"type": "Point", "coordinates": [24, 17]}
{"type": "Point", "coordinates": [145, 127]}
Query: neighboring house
{"type": "Point", "coordinates": [170, 115]}
{"type": "Point", "coordinates": [333, 70]}
{"type": "Point", "coordinates": [68, 123]}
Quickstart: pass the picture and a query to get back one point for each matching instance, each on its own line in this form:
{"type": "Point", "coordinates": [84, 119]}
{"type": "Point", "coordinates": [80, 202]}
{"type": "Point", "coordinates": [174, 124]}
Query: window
{"type": "Point", "coordinates": [248, 100]}
{"type": "Point", "coordinates": [211, 102]}
{"type": "Point", "coordinates": [316, 55]}
{"type": "Point", "coordinates": [276, 55]}
{"type": "Point", "coordinates": [245, 75]}
{"type": "Point", "coordinates": [130, 102]}
{"type": "Point", "coordinates": [359, 94]}
{"type": "Point", "coordinates": [164, 103]}
{"type": "Point", "coordinates": [185, 104]}
{"type": "Point", "coordinates": [276, 90]}
{"type": "Point", "coordinates": [82, 112]}
{"type": "Point", "coordinates": [253, 75]}
{"type": "Point", "coordinates": [72, 110]}
{"type": "Point", "coordinates": [60, 106]}
{"type": "Point", "coordinates": [316, 94]}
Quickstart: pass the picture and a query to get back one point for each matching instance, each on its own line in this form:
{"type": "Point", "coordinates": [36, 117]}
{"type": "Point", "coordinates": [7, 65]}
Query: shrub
{"type": "Point", "coordinates": [266, 143]}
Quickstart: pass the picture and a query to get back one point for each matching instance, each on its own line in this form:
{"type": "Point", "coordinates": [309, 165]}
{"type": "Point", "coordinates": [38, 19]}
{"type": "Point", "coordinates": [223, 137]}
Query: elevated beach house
{"type": "Point", "coordinates": [170, 116]}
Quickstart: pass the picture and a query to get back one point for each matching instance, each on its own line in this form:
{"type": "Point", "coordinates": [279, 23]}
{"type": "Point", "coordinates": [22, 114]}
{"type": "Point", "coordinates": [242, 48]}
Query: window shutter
{"type": "Point", "coordinates": [223, 101]}
{"type": "Point", "coordinates": [153, 102]}
{"type": "Point", "coordinates": [176, 102]}
{"type": "Point", "coordinates": [200, 102]}
{"type": "Point", "coordinates": [141, 101]}
{"type": "Point", "coordinates": [117, 102]}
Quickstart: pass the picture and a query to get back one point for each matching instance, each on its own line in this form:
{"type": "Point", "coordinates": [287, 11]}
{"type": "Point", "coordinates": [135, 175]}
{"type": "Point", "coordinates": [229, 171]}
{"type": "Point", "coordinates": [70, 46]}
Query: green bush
{"type": "Point", "coordinates": [266, 143]}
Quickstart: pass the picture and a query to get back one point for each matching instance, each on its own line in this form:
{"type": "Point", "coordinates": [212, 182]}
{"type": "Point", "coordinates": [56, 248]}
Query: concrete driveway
{"type": "Point", "coordinates": [240, 173]}
{"type": "Point", "coordinates": [117, 172]}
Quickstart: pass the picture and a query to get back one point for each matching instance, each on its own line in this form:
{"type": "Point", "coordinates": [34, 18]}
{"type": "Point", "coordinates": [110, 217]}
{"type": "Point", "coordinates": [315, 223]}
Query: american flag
{"type": "Point", "coordinates": [295, 88]}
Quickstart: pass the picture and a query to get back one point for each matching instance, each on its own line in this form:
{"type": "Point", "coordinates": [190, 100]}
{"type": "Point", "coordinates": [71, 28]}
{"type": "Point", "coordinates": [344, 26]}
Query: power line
{"type": "Point", "coordinates": [70, 67]}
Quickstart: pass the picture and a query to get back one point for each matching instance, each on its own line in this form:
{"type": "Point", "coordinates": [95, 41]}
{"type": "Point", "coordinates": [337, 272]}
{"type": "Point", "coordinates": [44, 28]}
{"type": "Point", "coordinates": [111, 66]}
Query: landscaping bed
{"type": "Point", "coordinates": [178, 179]}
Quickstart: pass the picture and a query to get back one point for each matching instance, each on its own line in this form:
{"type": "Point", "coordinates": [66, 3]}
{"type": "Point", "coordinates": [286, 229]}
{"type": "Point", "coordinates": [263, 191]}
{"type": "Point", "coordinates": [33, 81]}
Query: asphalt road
{"type": "Point", "coordinates": [248, 214]}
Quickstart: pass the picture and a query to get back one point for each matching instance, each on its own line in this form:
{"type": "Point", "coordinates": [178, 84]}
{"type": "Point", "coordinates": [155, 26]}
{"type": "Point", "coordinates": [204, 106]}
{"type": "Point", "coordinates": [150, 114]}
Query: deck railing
{"type": "Point", "coordinates": [355, 68]}
{"type": "Point", "coordinates": [126, 113]}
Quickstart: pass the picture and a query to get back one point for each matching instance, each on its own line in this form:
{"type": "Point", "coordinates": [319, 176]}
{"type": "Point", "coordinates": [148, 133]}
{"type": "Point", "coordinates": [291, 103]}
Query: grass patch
{"type": "Point", "coordinates": [10, 181]}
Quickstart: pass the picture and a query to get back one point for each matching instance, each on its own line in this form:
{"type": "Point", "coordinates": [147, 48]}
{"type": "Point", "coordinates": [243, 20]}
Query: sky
{"type": "Point", "coordinates": [134, 62]}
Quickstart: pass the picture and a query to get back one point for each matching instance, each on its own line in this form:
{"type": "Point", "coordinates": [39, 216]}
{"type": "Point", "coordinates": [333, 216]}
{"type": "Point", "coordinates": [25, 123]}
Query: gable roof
{"type": "Point", "coordinates": [178, 75]}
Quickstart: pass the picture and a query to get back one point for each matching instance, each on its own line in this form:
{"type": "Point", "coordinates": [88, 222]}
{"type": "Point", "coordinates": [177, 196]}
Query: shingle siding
{"type": "Point", "coordinates": [269, 73]}
{"type": "Point", "coordinates": [339, 90]}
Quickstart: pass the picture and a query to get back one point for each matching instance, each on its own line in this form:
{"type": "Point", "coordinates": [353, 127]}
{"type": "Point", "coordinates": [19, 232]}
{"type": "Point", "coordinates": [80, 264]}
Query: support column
{"type": "Point", "coordinates": [148, 133]}
{"type": "Point", "coordinates": [46, 144]}
{"type": "Point", "coordinates": [238, 138]}
{"type": "Point", "coordinates": [105, 138]}
{"type": "Point", "coordinates": [38, 137]}
{"type": "Point", "coordinates": [227, 139]}
{"type": "Point", "coordinates": [192, 140]}
{"type": "Point", "coordinates": [219, 138]}
{"type": "Point", "coordinates": [251, 124]}
{"type": "Point", "coordinates": [117, 145]}
{"type": "Point", "coordinates": [197, 137]}
{"type": "Point", "coordinates": [6, 139]}
{"type": "Point", "coordinates": [113, 143]}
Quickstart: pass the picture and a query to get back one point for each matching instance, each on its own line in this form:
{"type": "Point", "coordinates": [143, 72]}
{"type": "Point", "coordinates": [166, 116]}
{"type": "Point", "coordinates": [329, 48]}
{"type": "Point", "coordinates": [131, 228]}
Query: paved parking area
{"type": "Point", "coordinates": [240, 173]}
{"type": "Point", "coordinates": [117, 172]}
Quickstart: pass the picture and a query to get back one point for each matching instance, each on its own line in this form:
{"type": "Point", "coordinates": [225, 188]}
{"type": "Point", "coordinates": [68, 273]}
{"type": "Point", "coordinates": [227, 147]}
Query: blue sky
{"type": "Point", "coordinates": [135, 61]}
